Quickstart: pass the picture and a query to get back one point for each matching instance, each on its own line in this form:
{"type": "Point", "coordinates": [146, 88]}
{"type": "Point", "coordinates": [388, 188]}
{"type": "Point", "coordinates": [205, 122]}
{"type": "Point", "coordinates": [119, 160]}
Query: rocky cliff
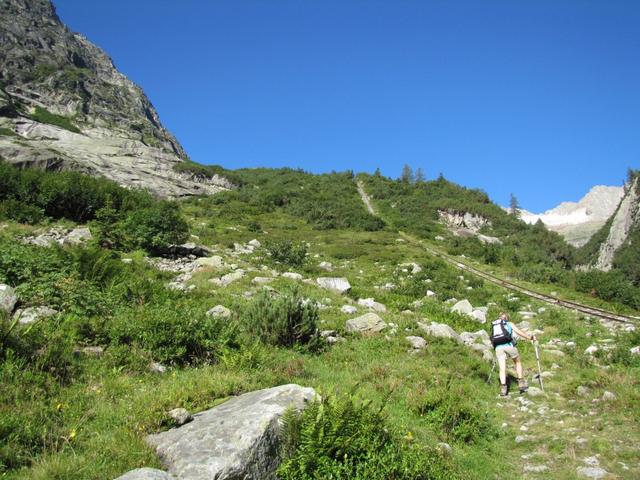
{"type": "Point", "coordinates": [63, 105]}
{"type": "Point", "coordinates": [578, 221]}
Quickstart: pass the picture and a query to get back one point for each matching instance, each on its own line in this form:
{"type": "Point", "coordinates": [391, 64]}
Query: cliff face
{"type": "Point", "coordinates": [64, 105]}
{"type": "Point", "coordinates": [626, 219]}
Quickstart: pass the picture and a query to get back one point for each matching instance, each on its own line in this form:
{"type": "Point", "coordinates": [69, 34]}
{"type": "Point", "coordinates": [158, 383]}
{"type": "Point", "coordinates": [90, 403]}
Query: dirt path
{"type": "Point", "coordinates": [365, 198]}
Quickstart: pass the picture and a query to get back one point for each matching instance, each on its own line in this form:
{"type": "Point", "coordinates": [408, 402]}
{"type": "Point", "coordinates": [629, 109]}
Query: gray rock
{"type": "Point", "coordinates": [431, 293]}
{"type": "Point", "coordinates": [463, 307]}
{"type": "Point", "coordinates": [635, 350]}
{"type": "Point", "coordinates": [229, 278]}
{"type": "Point", "coordinates": [591, 350]}
{"type": "Point", "coordinates": [535, 392]}
{"type": "Point", "coordinates": [348, 309]}
{"type": "Point", "coordinates": [219, 311]}
{"type": "Point", "coordinates": [479, 315]}
{"type": "Point", "coordinates": [8, 298]}
{"type": "Point", "coordinates": [326, 266]}
{"type": "Point", "coordinates": [440, 330]}
{"type": "Point", "coordinates": [155, 367]}
{"type": "Point", "coordinates": [292, 276]}
{"type": "Point", "coordinates": [591, 472]}
{"type": "Point", "coordinates": [214, 261]}
{"type": "Point", "coordinates": [337, 284]}
{"type": "Point", "coordinates": [608, 396]}
{"type": "Point", "coordinates": [93, 351]}
{"type": "Point", "coordinates": [78, 236]}
{"type": "Point", "coordinates": [255, 243]}
{"type": "Point", "coordinates": [146, 474]}
{"type": "Point", "coordinates": [535, 468]}
{"type": "Point", "coordinates": [31, 314]}
{"type": "Point", "coordinates": [417, 343]}
{"type": "Point", "coordinates": [262, 280]}
{"type": "Point", "coordinates": [445, 448]}
{"type": "Point", "coordinates": [367, 323]}
{"type": "Point", "coordinates": [371, 304]}
{"type": "Point", "coordinates": [235, 440]}
{"type": "Point", "coordinates": [180, 416]}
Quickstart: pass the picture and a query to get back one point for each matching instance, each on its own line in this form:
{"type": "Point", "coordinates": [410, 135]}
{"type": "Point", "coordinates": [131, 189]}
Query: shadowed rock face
{"type": "Point", "coordinates": [109, 128]}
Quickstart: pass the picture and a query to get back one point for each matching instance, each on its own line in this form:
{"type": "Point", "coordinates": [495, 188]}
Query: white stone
{"type": "Point", "coordinates": [367, 323]}
{"type": "Point", "coordinates": [339, 284]}
{"type": "Point", "coordinates": [262, 280]}
{"type": "Point", "coordinates": [348, 309]}
{"type": "Point", "coordinates": [371, 304]}
{"type": "Point", "coordinates": [326, 266]}
{"type": "Point", "coordinates": [479, 315]}
{"type": "Point", "coordinates": [219, 311]}
{"type": "Point", "coordinates": [8, 298]}
{"type": "Point", "coordinates": [32, 314]}
{"type": "Point", "coordinates": [417, 343]}
{"type": "Point", "coordinates": [292, 275]}
{"type": "Point", "coordinates": [214, 261]}
{"type": "Point", "coordinates": [591, 350]}
{"type": "Point", "coordinates": [440, 330]}
{"type": "Point", "coordinates": [463, 307]}
{"type": "Point", "coordinates": [591, 472]}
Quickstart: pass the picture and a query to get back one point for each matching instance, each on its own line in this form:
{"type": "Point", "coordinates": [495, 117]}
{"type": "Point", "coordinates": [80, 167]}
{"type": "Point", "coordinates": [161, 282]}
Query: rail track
{"type": "Point", "coordinates": [586, 309]}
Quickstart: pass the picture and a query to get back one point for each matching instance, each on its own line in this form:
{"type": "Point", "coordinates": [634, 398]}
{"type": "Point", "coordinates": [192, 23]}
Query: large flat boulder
{"type": "Point", "coordinates": [235, 440]}
{"type": "Point", "coordinates": [367, 323]}
{"type": "Point", "coordinates": [463, 307]}
{"type": "Point", "coordinates": [146, 474]}
{"type": "Point", "coordinates": [337, 284]}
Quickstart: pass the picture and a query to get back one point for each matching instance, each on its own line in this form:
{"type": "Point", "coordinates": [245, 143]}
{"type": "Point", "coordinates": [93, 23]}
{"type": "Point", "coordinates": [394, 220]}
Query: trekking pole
{"type": "Point", "coordinates": [535, 346]}
{"type": "Point", "coordinates": [493, 367]}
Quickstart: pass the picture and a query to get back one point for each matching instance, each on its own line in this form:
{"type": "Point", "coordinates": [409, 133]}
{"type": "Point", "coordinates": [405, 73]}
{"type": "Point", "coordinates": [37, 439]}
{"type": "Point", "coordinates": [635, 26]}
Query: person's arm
{"type": "Point", "coordinates": [522, 334]}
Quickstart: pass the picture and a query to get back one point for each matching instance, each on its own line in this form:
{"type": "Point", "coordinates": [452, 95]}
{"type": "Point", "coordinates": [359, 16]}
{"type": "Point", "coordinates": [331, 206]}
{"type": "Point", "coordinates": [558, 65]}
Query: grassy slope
{"type": "Point", "coordinates": [103, 415]}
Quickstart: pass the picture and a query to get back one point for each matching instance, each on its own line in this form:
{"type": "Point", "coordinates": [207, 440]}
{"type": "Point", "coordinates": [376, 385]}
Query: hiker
{"type": "Point", "coordinates": [502, 337]}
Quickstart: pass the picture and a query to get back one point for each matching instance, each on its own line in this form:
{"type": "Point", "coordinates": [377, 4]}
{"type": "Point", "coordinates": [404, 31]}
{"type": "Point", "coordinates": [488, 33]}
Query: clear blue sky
{"type": "Point", "coordinates": [539, 98]}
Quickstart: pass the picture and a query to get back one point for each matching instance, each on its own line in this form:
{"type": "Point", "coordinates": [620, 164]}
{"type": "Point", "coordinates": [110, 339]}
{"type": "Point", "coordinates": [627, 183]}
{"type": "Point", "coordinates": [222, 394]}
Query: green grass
{"type": "Point", "coordinates": [42, 115]}
{"type": "Point", "coordinates": [7, 132]}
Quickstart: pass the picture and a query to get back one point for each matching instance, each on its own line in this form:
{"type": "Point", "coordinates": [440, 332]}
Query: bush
{"type": "Point", "coordinates": [285, 321]}
{"type": "Point", "coordinates": [172, 333]}
{"type": "Point", "coordinates": [20, 212]}
{"type": "Point", "coordinates": [455, 414]}
{"type": "Point", "coordinates": [45, 116]}
{"type": "Point", "coordinates": [153, 228]}
{"type": "Point", "coordinates": [341, 439]}
{"type": "Point", "coordinates": [288, 252]}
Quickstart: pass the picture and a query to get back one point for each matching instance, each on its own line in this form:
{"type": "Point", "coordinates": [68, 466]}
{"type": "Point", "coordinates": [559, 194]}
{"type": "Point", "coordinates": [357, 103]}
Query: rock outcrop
{"type": "Point", "coordinates": [237, 439]}
{"type": "Point", "coordinates": [69, 108]}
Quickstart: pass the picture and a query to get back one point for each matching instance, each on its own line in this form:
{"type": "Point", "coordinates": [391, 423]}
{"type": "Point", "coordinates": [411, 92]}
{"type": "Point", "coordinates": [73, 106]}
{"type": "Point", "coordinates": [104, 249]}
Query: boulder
{"type": "Point", "coordinates": [440, 330]}
{"type": "Point", "coordinates": [255, 243]}
{"type": "Point", "coordinates": [431, 293]}
{"type": "Point", "coordinates": [371, 304]}
{"type": "Point", "coordinates": [463, 307]}
{"type": "Point", "coordinates": [237, 439]}
{"type": "Point", "coordinates": [180, 416]}
{"type": "Point", "coordinates": [479, 315]}
{"type": "Point", "coordinates": [219, 311]}
{"type": "Point", "coordinates": [292, 275]}
{"type": "Point", "coordinates": [326, 266]}
{"type": "Point", "coordinates": [78, 236]}
{"type": "Point", "coordinates": [367, 323]}
{"type": "Point", "coordinates": [591, 350]}
{"type": "Point", "coordinates": [608, 396]}
{"type": "Point", "coordinates": [146, 474]}
{"type": "Point", "coordinates": [31, 314]}
{"type": "Point", "coordinates": [8, 298]}
{"type": "Point", "coordinates": [591, 472]}
{"type": "Point", "coordinates": [214, 261]}
{"type": "Point", "coordinates": [262, 280]}
{"type": "Point", "coordinates": [348, 309]}
{"type": "Point", "coordinates": [229, 278]}
{"type": "Point", "coordinates": [337, 284]}
{"type": "Point", "coordinates": [472, 337]}
{"type": "Point", "coordinates": [417, 343]}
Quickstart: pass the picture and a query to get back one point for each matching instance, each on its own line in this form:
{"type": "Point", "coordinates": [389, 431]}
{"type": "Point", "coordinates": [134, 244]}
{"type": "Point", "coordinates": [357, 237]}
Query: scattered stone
{"type": "Point", "coordinates": [8, 298]}
{"type": "Point", "coordinates": [326, 266]}
{"type": "Point", "coordinates": [146, 474]}
{"type": "Point", "coordinates": [415, 268]}
{"type": "Point", "coordinates": [608, 396]}
{"type": "Point", "coordinates": [535, 392]}
{"type": "Point", "coordinates": [555, 353]}
{"type": "Point", "coordinates": [155, 367]}
{"type": "Point", "coordinates": [417, 343]}
{"type": "Point", "coordinates": [463, 307]}
{"type": "Point", "coordinates": [254, 243]}
{"type": "Point", "coordinates": [339, 284]}
{"type": "Point", "coordinates": [367, 323]}
{"type": "Point", "coordinates": [431, 293]}
{"type": "Point", "coordinates": [292, 275]}
{"type": "Point", "coordinates": [479, 315]}
{"type": "Point", "coordinates": [591, 472]}
{"type": "Point", "coordinates": [180, 416]}
{"type": "Point", "coordinates": [219, 311]}
{"type": "Point", "coordinates": [93, 351]}
{"type": "Point", "coordinates": [78, 236]}
{"type": "Point", "coordinates": [445, 448]}
{"type": "Point", "coordinates": [371, 304]}
{"type": "Point", "coordinates": [440, 330]}
{"type": "Point", "coordinates": [535, 468]}
{"type": "Point", "coordinates": [591, 350]}
{"type": "Point", "coordinates": [214, 261]}
{"type": "Point", "coordinates": [635, 350]}
{"type": "Point", "coordinates": [524, 438]}
{"type": "Point", "coordinates": [237, 439]}
{"type": "Point", "coordinates": [262, 280]}
{"type": "Point", "coordinates": [32, 314]}
{"type": "Point", "coordinates": [348, 309]}
{"type": "Point", "coordinates": [228, 279]}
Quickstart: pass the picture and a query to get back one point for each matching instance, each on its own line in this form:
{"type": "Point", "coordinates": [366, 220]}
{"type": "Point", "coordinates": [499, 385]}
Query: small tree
{"type": "Point", "coordinates": [407, 174]}
{"type": "Point", "coordinates": [419, 176]}
{"type": "Point", "coordinates": [514, 207]}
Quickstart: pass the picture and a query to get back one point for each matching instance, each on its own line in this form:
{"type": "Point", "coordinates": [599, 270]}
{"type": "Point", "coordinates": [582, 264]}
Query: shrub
{"type": "Point", "coordinates": [20, 212]}
{"type": "Point", "coordinates": [173, 333]}
{"type": "Point", "coordinates": [342, 439]}
{"type": "Point", "coordinates": [288, 252]}
{"type": "Point", "coordinates": [285, 321]}
{"type": "Point", "coordinates": [45, 116]}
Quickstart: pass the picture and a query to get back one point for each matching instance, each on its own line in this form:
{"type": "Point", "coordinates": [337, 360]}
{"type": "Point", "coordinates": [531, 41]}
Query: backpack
{"type": "Point", "coordinates": [499, 334]}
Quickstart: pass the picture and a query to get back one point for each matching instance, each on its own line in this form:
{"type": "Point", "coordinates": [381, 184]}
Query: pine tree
{"type": "Point", "coordinates": [419, 176]}
{"type": "Point", "coordinates": [514, 208]}
{"type": "Point", "coordinates": [377, 172]}
{"type": "Point", "coordinates": [407, 174]}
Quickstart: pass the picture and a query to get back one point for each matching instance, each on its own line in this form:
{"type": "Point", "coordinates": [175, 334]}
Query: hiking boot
{"type": "Point", "coordinates": [523, 385]}
{"type": "Point", "coordinates": [503, 390]}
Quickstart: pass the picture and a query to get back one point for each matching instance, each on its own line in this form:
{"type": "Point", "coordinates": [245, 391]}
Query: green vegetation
{"type": "Point", "coordinates": [75, 413]}
{"type": "Point", "coordinates": [42, 115]}
{"type": "Point", "coordinates": [7, 132]}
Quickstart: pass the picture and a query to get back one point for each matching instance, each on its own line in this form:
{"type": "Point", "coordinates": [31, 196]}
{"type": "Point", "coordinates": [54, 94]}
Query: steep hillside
{"type": "Point", "coordinates": [63, 105]}
{"type": "Point", "coordinates": [578, 221]}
